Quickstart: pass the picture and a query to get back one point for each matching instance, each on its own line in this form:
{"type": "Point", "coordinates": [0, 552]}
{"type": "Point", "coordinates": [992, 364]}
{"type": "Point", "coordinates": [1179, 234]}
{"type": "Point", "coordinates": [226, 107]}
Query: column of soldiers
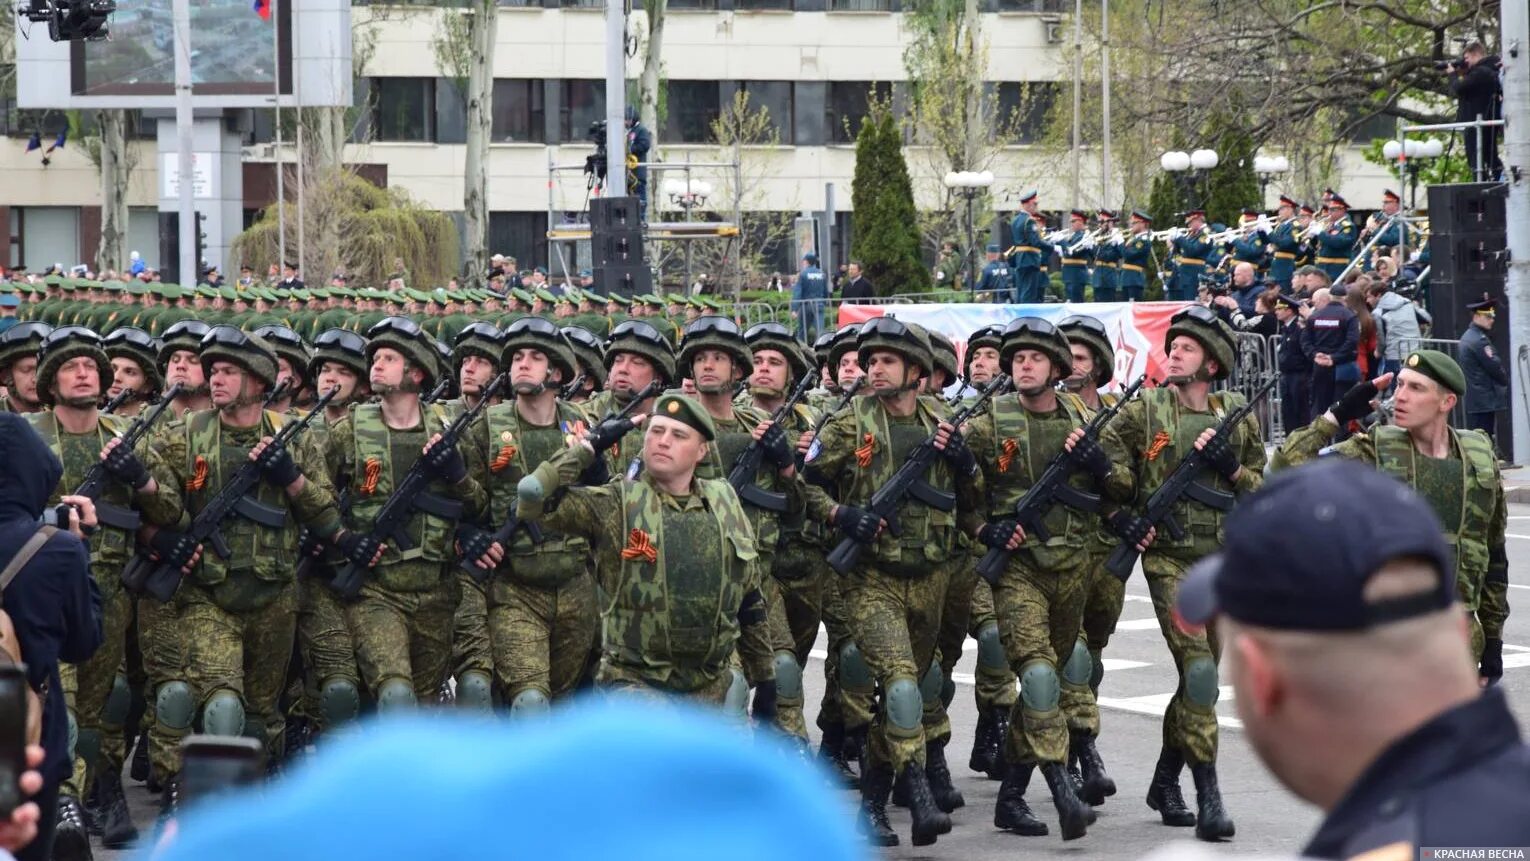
{"type": "Point", "coordinates": [539, 509]}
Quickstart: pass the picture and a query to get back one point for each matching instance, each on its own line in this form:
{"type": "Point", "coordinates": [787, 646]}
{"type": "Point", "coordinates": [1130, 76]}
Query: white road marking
{"type": "Point", "coordinates": [1157, 704]}
{"type": "Point", "coordinates": [1517, 586]}
{"type": "Point", "coordinates": [1149, 624]}
{"type": "Point", "coordinates": [1514, 535]}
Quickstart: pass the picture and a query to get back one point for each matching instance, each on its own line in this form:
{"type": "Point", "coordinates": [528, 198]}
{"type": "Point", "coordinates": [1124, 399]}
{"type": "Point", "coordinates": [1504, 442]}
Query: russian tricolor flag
{"type": "Point", "coordinates": [263, 9]}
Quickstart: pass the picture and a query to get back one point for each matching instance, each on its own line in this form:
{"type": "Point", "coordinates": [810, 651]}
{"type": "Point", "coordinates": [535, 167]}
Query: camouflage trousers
{"type": "Point", "coordinates": [1102, 609]}
{"type": "Point", "coordinates": [246, 652]}
{"type": "Point", "coordinates": [88, 692]}
{"type": "Point", "coordinates": [619, 681]}
{"type": "Point", "coordinates": [325, 643]}
{"type": "Point", "coordinates": [405, 635]}
{"type": "Point", "coordinates": [852, 706]}
{"type": "Point", "coordinates": [895, 622]}
{"type": "Point", "coordinates": [162, 641]}
{"type": "Point", "coordinates": [1039, 613]}
{"type": "Point", "coordinates": [541, 638]}
{"type": "Point", "coordinates": [802, 574]}
{"type": "Point", "coordinates": [471, 649]}
{"type": "Point", "coordinates": [1187, 727]}
{"type": "Point", "coordinates": [968, 610]}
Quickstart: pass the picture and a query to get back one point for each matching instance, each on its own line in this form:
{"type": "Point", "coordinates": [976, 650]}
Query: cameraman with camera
{"type": "Point", "coordinates": [1479, 95]}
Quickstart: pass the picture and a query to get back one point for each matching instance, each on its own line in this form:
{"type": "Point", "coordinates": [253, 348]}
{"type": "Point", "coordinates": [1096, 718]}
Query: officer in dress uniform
{"type": "Point", "coordinates": [1029, 254]}
{"type": "Point", "coordinates": [1136, 255]}
{"type": "Point", "coordinates": [1487, 383]}
{"type": "Point", "coordinates": [1190, 252]}
{"type": "Point", "coordinates": [1075, 259]}
{"type": "Point", "coordinates": [1250, 247]}
{"type": "Point", "coordinates": [1285, 243]}
{"type": "Point", "coordinates": [1336, 245]}
{"type": "Point", "coordinates": [1107, 257]}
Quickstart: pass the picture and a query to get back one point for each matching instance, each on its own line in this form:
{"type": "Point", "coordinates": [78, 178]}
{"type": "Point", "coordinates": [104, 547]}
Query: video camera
{"type": "Point", "coordinates": [1453, 65]}
{"type": "Point", "coordinates": [70, 20]}
{"type": "Point", "coordinates": [595, 163]}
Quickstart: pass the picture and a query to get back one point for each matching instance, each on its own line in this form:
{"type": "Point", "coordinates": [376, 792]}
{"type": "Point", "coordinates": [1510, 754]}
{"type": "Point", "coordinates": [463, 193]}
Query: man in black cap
{"type": "Point", "coordinates": [1454, 470]}
{"type": "Point", "coordinates": [1487, 383]}
{"type": "Point", "coordinates": [996, 283]}
{"type": "Point", "coordinates": [1415, 756]}
{"type": "Point", "coordinates": [1295, 367]}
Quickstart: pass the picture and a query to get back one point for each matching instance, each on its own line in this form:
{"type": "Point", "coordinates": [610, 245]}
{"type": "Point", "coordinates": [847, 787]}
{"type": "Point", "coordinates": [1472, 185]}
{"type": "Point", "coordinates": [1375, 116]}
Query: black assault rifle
{"type": "Point", "coordinates": [909, 481]}
{"type": "Point", "coordinates": [160, 579]}
{"type": "Point", "coordinates": [1182, 482]}
{"type": "Point", "coordinates": [1052, 488]}
{"type": "Point", "coordinates": [121, 398]}
{"type": "Point", "coordinates": [438, 392]}
{"type": "Point", "coordinates": [746, 467]}
{"type": "Point", "coordinates": [94, 484]}
{"type": "Point", "coordinates": [411, 495]}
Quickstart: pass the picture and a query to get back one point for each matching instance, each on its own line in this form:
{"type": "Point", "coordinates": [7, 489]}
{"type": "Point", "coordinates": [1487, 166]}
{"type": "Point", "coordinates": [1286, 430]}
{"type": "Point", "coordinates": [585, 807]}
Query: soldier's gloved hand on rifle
{"type": "Point", "coordinates": [123, 465]}
{"type": "Point", "coordinates": [277, 466]}
{"type": "Point", "coordinates": [764, 708]}
{"type": "Point", "coordinates": [1134, 529]}
{"type": "Point", "coordinates": [473, 544]}
{"type": "Point", "coordinates": [174, 548]}
{"type": "Point", "coordinates": [1088, 455]}
{"type": "Point", "coordinates": [1491, 669]}
{"type": "Point", "coordinates": [773, 442]}
{"type": "Point", "coordinates": [359, 548]}
{"type": "Point", "coordinates": [444, 460]}
{"type": "Point", "coordinates": [1356, 403]}
{"type": "Point", "coordinates": [858, 523]}
{"type": "Point", "coordinates": [953, 447]}
{"type": "Point", "coordinates": [609, 433]}
{"type": "Point", "coordinates": [310, 545]}
{"type": "Point", "coordinates": [1219, 454]}
{"type": "Point", "coordinates": [1001, 535]}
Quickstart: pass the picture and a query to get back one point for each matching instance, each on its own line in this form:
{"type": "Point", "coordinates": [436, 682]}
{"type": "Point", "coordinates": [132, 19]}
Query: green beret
{"type": "Point", "coordinates": [1439, 367]}
{"type": "Point", "coordinates": [686, 411]}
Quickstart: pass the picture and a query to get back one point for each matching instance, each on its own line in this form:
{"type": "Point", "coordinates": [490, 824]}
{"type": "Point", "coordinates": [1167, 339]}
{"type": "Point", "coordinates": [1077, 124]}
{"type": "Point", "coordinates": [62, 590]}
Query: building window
{"type": "Point", "coordinates": [692, 106]}
{"type": "Point", "coordinates": [404, 109]}
{"type": "Point", "coordinates": [518, 112]}
{"type": "Point", "coordinates": [1056, 6]}
{"type": "Point", "coordinates": [775, 97]}
{"type": "Point", "coordinates": [522, 235]}
{"type": "Point", "coordinates": [582, 4]}
{"type": "Point", "coordinates": [860, 5]}
{"type": "Point", "coordinates": [1023, 108]}
{"type": "Point", "coordinates": [693, 4]}
{"type": "Point", "coordinates": [783, 5]}
{"type": "Point", "coordinates": [848, 106]}
{"type": "Point", "coordinates": [584, 102]}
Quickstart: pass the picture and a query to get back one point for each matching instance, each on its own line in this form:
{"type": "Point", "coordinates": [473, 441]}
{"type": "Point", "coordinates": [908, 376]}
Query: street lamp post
{"type": "Point", "coordinates": [1409, 156]}
{"type": "Point", "coordinates": [970, 185]}
{"type": "Point", "coordinates": [1191, 171]}
{"type": "Point", "coordinates": [690, 195]}
{"type": "Point", "coordinates": [1267, 168]}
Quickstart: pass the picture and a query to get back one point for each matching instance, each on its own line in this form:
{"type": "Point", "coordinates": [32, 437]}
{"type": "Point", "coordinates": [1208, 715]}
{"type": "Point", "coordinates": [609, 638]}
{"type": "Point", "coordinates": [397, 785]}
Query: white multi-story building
{"type": "Point", "coordinates": [811, 63]}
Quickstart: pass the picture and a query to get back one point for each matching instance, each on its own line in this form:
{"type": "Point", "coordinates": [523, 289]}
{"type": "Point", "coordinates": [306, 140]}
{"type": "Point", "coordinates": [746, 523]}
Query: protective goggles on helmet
{"type": "Point", "coordinates": [396, 326]}
{"type": "Point", "coordinates": [281, 335]}
{"type": "Point", "coordinates": [132, 337]}
{"type": "Point", "coordinates": [23, 332]}
{"type": "Point", "coordinates": [639, 330]}
{"type": "Point", "coordinates": [225, 336]}
{"type": "Point", "coordinates": [486, 331]}
{"type": "Point", "coordinates": [341, 340]}
{"type": "Point", "coordinates": [581, 337]}
{"type": "Point", "coordinates": [71, 333]}
{"type": "Point", "coordinates": [1030, 326]}
{"type": "Point", "coordinates": [1079, 321]}
{"type": "Point", "coordinates": [889, 326]}
{"type": "Point", "coordinates": [1198, 313]}
{"type": "Point", "coordinates": [191, 328]}
{"type": "Point", "coordinates": [712, 325]}
{"type": "Point", "coordinates": [767, 330]}
{"type": "Point", "coordinates": [532, 326]}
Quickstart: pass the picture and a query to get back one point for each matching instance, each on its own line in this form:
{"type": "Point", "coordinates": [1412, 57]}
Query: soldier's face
{"type": "Point", "coordinates": [1031, 370]}
{"type": "Point", "coordinates": [335, 375]}
{"type": "Point", "coordinates": [24, 379]}
{"type": "Point", "coordinates": [475, 373]}
{"type": "Point", "coordinates": [77, 383]}
{"type": "Point", "coordinates": [887, 372]}
{"type": "Point", "coordinates": [770, 370]}
{"type": "Point", "coordinates": [1186, 356]}
{"type": "Point", "coordinates": [284, 373]}
{"type": "Point", "coordinates": [528, 369]}
{"type": "Point", "coordinates": [184, 368]}
{"type": "Point", "coordinates": [229, 385]}
{"type": "Point", "coordinates": [713, 371]}
{"type": "Point", "coordinates": [1420, 401]}
{"type": "Point", "coordinates": [984, 366]}
{"type": "Point", "coordinates": [630, 373]}
{"type": "Point", "coordinates": [126, 375]}
{"type": "Point", "coordinates": [1083, 362]}
{"type": "Point", "coordinates": [671, 448]}
{"type": "Point", "coordinates": [849, 370]}
{"type": "Point", "coordinates": [389, 370]}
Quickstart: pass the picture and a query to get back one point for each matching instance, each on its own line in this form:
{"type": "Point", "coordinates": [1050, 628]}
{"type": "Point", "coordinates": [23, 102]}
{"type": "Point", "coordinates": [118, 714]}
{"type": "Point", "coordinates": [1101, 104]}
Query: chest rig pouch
{"type": "Point", "coordinates": [559, 557]}
{"type": "Point", "coordinates": [113, 542]}
{"type": "Point", "coordinates": [431, 528]}
{"type": "Point", "coordinates": [1170, 434]}
{"type": "Point", "coordinates": [1034, 444]}
{"type": "Point", "coordinates": [927, 516]}
{"type": "Point", "coordinates": [260, 536]}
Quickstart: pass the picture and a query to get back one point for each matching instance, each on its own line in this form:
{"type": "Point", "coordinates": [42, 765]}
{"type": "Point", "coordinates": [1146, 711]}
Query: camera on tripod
{"type": "Point", "coordinates": [595, 163]}
{"type": "Point", "coordinates": [70, 20]}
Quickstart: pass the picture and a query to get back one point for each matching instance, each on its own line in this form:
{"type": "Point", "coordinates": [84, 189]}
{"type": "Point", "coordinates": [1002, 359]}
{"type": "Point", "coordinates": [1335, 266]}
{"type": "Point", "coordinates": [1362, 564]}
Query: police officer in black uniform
{"type": "Point", "coordinates": [1330, 339]}
{"type": "Point", "coordinates": [1351, 669]}
{"type": "Point", "coordinates": [1295, 367]}
{"type": "Point", "coordinates": [1487, 383]}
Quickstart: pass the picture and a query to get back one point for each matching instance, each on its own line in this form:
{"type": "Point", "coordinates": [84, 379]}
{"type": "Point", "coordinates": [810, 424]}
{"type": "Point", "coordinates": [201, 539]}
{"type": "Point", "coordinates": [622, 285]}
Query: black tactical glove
{"type": "Point", "coordinates": [446, 461]}
{"type": "Point", "coordinates": [858, 523]}
{"type": "Point", "coordinates": [997, 534]}
{"type": "Point", "coordinates": [125, 466]}
{"type": "Point", "coordinates": [473, 542]}
{"type": "Point", "coordinates": [1219, 455]}
{"type": "Point", "coordinates": [1355, 404]}
{"type": "Point", "coordinates": [277, 466]}
{"type": "Point", "coordinates": [764, 710]}
{"type": "Point", "coordinates": [173, 548]}
{"type": "Point", "coordinates": [777, 452]}
{"type": "Point", "coordinates": [1492, 661]}
{"type": "Point", "coordinates": [358, 547]}
{"type": "Point", "coordinates": [959, 455]}
{"type": "Point", "coordinates": [1131, 528]}
{"type": "Point", "coordinates": [1089, 456]}
{"type": "Point", "coordinates": [310, 545]}
{"type": "Point", "coordinates": [609, 433]}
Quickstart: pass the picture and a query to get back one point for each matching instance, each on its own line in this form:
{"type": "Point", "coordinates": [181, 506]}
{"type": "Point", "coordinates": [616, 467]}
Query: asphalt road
{"type": "Point", "coordinates": [1139, 680]}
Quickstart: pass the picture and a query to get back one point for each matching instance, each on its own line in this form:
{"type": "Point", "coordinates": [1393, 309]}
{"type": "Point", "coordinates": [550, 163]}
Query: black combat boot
{"type": "Point", "coordinates": [855, 747]}
{"type": "Point", "coordinates": [831, 752]}
{"type": "Point", "coordinates": [71, 842]}
{"type": "Point", "coordinates": [1213, 823]}
{"type": "Point", "coordinates": [929, 820]}
{"type": "Point", "coordinates": [117, 829]}
{"type": "Point", "coordinates": [1164, 795]}
{"type": "Point", "coordinates": [92, 810]}
{"type": "Point", "coordinates": [1073, 814]}
{"type": "Point", "coordinates": [947, 796]}
{"type": "Point", "coordinates": [1012, 813]}
{"type": "Point", "coordinates": [985, 744]}
{"type": "Point", "coordinates": [140, 767]}
{"type": "Point", "coordinates": [999, 769]}
{"type": "Point", "coordinates": [876, 783]}
{"type": "Point", "coordinates": [169, 802]}
{"type": "Point", "coordinates": [1096, 785]}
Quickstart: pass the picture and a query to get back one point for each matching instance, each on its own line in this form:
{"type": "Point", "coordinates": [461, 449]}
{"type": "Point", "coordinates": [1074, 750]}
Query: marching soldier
{"type": "Point", "coordinates": [133, 355]}
{"type": "Point", "coordinates": [1190, 252]}
{"type": "Point", "coordinates": [1076, 259]}
{"type": "Point", "coordinates": [895, 593]}
{"type": "Point", "coordinates": [403, 618]}
{"type": "Point", "coordinates": [541, 614]}
{"type": "Point", "coordinates": [1285, 244]}
{"type": "Point", "coordinates": [476, 357]}
{"type": "Point", "coordinates": [292, 358]}
{"type": "Point", "coordinates": [1336, 245]}
{"type": "Point", "coordinates": [1155, 431]}
{"type": "Point", "coordinates": [996, 283]}
{"type": "Point", "coordinates": [636, 355]}
{"type": "Point", "coordinates": [590, 367]}
{"type": "Point", "coordinates": [1455, 470]}
{"type": "Point", "coordinates": [179, 361]}
{"type": "Point", "coordinates": [1107, 259]}
{"type": "Point", "coordinates": [1136, 256]}
{"type": "Point", "coordinates": [18, 366]}
{"type": "Point", "coordinates": [1029, 253]}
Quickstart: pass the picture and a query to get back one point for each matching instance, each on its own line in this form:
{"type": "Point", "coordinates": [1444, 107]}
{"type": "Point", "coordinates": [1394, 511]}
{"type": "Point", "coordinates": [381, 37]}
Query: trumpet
{"type": "Point", "coordinates": [1058, 236]}
{"type": "Point", "coordinates": [1317, 226]}
{"type": "Point", "coordinates": [1167, 234]}
{"type": "Point", "coordinates": [1090, 240]}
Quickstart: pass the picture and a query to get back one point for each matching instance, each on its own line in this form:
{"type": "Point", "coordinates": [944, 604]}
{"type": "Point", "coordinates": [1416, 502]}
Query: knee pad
{"type": "Point", "coordinates": [87, 746]}
{"type": "Point", "coordinates": [905, 705]}
{"type": "Point", "coordinates": [947, 692]}
{"type": "Point", "coordinates": [1080, 665]}
{"type": "Point", "coordinates": [930, 683]}
{"type": "Point", "coordinates": [1096, 669]}
{"type": "Point", "coordinates": [854, 673]}
{"type": "Point", "coordinates": [118, 703]}
{"type": "Point", "coordinates": [788, 677]}
{"type": "Point", "coordinates": [174, 706]}
{"type": "Point", "coordinates": [1201, 681]}
{"type": "Point", "coordinates": [990, 648]}
{"type": "Point", "coordinates": [339, 701]}
{"type": "Point", "coordinates": [475, 690]}
{"type": "Point", "coordinates": [395, 694]}
{"type": "Point", "coordinates": [736, 700]}
{"type": "Point", "coordinates": [74, 738]}
{"type": "Point", "coordinates": [1039, 688]}
{"type": "Point", "coordinates": [529, 703]}
{"type": "Point", "coordinates": [223, 714]}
